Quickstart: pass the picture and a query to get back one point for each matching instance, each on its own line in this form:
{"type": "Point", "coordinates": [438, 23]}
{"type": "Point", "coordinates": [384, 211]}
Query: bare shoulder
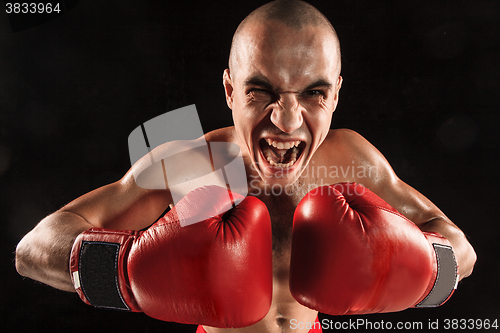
{"type": "Point", "coordinates": [348, 147]}
{"type": "Point", "coordinates": [225, 134]}
{"type": "Point", "coordinates": [348, 139]}
{"type": "Point", "coordinates": [344, 143]}
{"type": "Point", "coordinates": [179, 166]}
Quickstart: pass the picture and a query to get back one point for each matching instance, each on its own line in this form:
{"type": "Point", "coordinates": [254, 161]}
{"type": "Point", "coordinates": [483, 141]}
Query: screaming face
{"type": "Point", "coordinates": [283, 89]}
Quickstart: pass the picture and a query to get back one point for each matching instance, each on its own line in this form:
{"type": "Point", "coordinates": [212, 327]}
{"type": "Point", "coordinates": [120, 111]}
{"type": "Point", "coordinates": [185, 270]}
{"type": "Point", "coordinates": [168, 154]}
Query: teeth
{"type": "Point", "coordinates": [281, 165]}
{"type": "Point", "coordinates": [281, 145]}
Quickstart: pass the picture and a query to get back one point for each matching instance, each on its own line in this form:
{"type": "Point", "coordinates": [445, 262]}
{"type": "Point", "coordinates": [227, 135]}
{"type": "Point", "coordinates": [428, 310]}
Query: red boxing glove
{"type": "Point", "coordinates": [352, 253]}
{"type": "Point", "coordinates": [217, 272]}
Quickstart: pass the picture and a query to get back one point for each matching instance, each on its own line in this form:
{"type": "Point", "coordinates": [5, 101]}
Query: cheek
{"type": "Point", "coordinates": [318, 126]}
{"type": "Point", "coordinates": [246, 120]}
{"type": "Point", "coordinates": [318, 109]}
{"type": "Point", "coordinates": [250, 109]}
{"type": "Point", "coordinates": [318, 120]}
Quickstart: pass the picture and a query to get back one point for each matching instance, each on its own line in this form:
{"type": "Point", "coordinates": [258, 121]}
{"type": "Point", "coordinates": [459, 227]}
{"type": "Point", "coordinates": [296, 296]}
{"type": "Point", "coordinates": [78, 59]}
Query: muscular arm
{"type": "Point", "coordinates": [411, 203]}
{"type": "Point", "coordinates": [428, 217]}
{"type": "Point", "coordinates": [43, 254]}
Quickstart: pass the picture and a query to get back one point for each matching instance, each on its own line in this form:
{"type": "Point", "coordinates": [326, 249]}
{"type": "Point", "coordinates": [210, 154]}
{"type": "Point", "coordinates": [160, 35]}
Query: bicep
{"type": "Point", "coordinates": [429, 218]}
{"type": "Point", "coordinates": [413, 204]}
{"type": "Point", "coordinates": [407, 200]}
{"type": "Point", "coordinates": [145, 192]}
{"type": "Point", "coordinates": [120, 205]}
{"type": "Point", "coordinates": [384, 182]}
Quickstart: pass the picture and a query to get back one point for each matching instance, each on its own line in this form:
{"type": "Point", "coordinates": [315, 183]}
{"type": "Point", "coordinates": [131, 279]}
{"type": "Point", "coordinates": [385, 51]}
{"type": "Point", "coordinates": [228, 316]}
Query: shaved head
{"type": "Point", "coordinates": [283, 84]}
{"type": "Point", "coordinates": [294, 14]}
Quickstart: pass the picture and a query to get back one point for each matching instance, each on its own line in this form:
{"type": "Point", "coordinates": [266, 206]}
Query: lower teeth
{"type": "Point", "coordinates": [281, 165]}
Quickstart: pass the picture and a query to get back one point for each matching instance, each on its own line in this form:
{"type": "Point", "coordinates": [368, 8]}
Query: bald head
{"type": "Point", "coordinates": [296, 15]}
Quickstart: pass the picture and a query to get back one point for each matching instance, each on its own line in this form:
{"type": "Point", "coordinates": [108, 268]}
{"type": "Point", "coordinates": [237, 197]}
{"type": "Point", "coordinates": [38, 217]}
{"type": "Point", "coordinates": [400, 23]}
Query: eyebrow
{"type": "Point", "coordinates": [319, 83]}
{"type": "Point", "coordinates": [260, 81]}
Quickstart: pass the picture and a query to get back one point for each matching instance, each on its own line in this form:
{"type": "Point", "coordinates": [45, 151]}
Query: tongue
{"type": "Point", "coordinates": [278, 155]}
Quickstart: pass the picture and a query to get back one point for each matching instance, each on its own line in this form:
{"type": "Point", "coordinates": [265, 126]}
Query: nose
{"type": "Point", "coordinates": [287, 114]}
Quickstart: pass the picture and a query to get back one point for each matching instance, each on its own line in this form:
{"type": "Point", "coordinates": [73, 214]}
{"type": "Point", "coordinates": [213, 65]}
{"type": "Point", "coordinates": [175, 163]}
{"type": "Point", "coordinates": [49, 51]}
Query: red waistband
{"type": "Point", "coordinates": [316, 328]}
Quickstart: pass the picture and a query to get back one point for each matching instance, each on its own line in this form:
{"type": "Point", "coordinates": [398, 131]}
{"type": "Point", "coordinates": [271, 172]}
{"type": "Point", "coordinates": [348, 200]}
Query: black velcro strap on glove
{"type": "Point", "coordinates": [98, 274]}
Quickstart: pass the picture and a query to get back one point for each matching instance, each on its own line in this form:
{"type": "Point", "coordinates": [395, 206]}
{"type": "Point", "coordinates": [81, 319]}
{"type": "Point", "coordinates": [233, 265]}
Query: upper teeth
{"type": "Point", "coordinates": [283, 145]}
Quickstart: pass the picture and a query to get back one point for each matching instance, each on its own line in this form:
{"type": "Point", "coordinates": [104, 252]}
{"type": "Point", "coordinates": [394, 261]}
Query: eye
{"type": "Point", "coordinates": [314, 93]}
{"type": "Point", "coordinates": [260, 95]}
{"type": "Point", "coordinates": [258, 91]}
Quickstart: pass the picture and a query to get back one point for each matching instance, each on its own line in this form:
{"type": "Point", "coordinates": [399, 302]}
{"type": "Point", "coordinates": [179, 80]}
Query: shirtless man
{"type": "Point", "coordinates": [282, 86]}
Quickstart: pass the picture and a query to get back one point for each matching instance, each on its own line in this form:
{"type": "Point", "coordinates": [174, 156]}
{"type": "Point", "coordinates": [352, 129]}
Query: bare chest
{"type": "Point", "coordinates": [281, 202]}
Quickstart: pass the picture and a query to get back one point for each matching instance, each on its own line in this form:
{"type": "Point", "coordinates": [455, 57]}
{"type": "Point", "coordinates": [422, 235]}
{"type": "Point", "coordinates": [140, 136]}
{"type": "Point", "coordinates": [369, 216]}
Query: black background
{"type": "Point", "coordinates": [420, 83]}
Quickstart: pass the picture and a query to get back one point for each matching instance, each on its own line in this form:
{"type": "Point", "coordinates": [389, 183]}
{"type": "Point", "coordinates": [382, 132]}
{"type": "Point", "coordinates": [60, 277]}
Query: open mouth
{"type": "Point", "coordinates": [281, 154]}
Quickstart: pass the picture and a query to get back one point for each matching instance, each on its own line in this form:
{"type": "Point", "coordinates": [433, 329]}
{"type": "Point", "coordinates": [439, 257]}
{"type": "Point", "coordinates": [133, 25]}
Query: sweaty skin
{"type": "Point", "coordinates": [283, 90]}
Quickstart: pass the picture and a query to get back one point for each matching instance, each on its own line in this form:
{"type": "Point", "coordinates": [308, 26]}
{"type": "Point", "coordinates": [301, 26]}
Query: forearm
{"type": "Point", "coordinates": [421, 211]}
{"type": "Point", "coordinates": [43, 254]}
{"type": "Point", "coordinates": [464, 252]}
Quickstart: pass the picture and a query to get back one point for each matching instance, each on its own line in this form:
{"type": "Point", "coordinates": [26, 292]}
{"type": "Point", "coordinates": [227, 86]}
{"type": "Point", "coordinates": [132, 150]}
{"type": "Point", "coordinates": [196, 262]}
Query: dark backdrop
{"type": "Point", "coordinates": [420, 83]}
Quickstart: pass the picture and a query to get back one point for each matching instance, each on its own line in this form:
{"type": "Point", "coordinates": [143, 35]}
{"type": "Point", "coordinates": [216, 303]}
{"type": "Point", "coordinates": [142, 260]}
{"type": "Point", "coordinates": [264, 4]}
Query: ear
{"type": "Point", "coordinates": [228, 87]}
{"type": "Point", "coordinates": [337, 90]}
